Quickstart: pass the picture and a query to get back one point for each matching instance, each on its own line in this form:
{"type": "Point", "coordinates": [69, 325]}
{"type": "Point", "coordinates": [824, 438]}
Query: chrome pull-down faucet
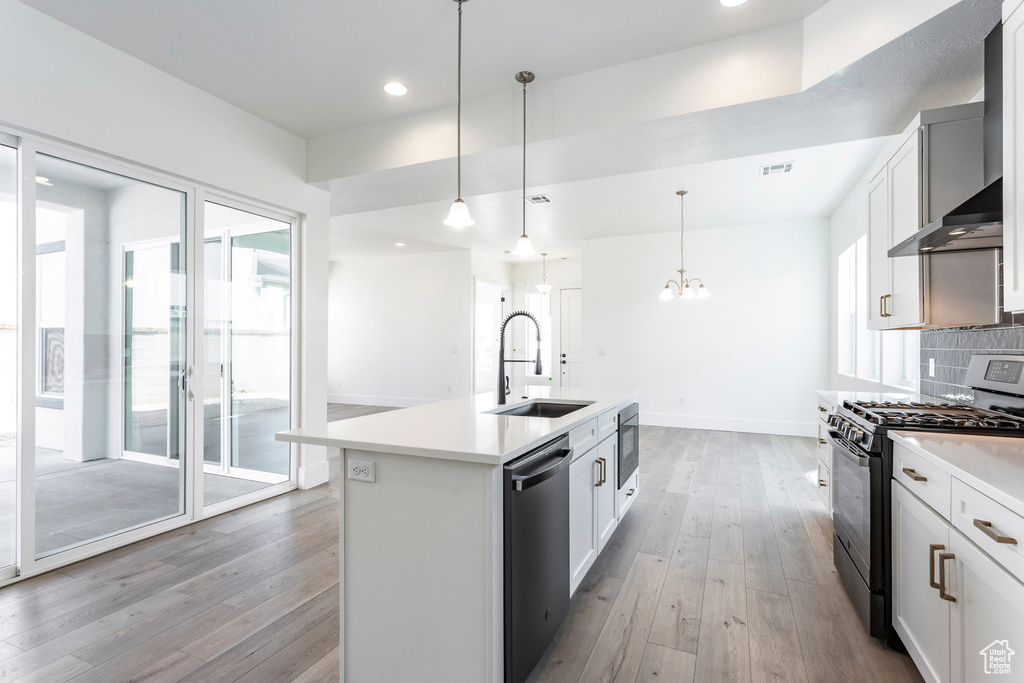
{"type": "Point", "coordinates": [503, 388]}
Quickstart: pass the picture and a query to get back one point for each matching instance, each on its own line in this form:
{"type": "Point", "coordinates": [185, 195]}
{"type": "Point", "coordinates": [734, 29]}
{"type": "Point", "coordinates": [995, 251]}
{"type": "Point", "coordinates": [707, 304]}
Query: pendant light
{"type": "Point", "coordinates": [523, 246]}
{"type": "Point", "coordinates": [458, 215]}
{"type": "Point", "coordinates": [544, 287]}
{"type": "Point", "coordinates": [683, 286]}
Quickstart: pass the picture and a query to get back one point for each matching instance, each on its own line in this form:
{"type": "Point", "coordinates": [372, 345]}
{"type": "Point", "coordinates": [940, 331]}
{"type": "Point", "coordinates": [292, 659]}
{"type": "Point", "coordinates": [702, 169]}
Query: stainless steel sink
{"type": "Point", "coordinates": [541, 408]}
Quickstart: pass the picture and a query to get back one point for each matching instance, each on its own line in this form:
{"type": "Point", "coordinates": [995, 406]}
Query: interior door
{"type": "Point", "coordinates": [571, 339]}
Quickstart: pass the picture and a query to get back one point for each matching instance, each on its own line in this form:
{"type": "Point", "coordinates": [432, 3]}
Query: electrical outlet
{"type": "Point", "coordinates": [931, 367]}
{"type": "Point", "coordinates": [601, 352]}
{"type": "Point", "coordinates": [362, 470]}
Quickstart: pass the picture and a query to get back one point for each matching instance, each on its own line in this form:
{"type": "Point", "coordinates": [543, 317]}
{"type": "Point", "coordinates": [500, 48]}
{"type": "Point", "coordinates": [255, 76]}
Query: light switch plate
{"type": "Point", "coordinates": [362, 470]}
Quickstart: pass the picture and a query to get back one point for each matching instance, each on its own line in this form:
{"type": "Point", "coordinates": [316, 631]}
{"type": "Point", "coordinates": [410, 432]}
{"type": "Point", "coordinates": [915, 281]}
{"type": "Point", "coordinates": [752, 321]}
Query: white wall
{"type": "Point", "coordinates": [67, 86]}
{"type": "Point", "coordinates": [747, 359]}
{"type": "Point", "coordinates": [401, 328]}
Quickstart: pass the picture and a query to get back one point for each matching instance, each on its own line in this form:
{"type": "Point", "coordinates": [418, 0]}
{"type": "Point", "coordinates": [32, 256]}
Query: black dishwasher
{"type": "Point", "coordinates": [536, 499]}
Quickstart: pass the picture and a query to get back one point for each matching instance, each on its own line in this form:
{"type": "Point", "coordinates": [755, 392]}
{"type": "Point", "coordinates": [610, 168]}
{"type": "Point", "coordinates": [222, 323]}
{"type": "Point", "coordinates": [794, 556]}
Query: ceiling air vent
{"type": "Point", "coordinates": [776, 169]}
{"type": "Point", "coordinates": [539, 199]}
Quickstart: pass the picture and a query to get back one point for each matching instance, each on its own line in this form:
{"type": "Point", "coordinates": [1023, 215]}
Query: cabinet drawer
{"type": "Point", "coordinates": [583, 438]}
{"type": "Point", "coordinates": [824, 409]}
{"type": "Point", "coordinates": [627, 493]}
{"type": "Point", "coordinates": [825, 484]}
{"type": "Point", "coordinates": [607, 424]}
{"type": "Point", "coordinates": [923, 479]}
{"type": "Point", "coordinates": [993, 528]}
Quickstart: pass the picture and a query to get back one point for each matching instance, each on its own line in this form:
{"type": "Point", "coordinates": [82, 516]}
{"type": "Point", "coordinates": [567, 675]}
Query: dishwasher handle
{"type": "Point", "coordinates": [542, 469]}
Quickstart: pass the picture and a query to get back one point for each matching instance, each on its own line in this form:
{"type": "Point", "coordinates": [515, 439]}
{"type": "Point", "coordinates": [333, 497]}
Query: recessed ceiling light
{"type": "Point", "coordinates": [43, 181]}
{"type": "Point", "coordinates": [395, 88]}
{"type": "Point", "coordinates": [399, 244]}
{"type": "Point", "coordinates": [732, 3]}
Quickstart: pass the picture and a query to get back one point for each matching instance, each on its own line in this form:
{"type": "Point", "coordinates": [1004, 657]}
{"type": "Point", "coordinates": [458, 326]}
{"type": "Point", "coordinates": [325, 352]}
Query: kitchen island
{"type": "Point", "coordinates": [421, 546]}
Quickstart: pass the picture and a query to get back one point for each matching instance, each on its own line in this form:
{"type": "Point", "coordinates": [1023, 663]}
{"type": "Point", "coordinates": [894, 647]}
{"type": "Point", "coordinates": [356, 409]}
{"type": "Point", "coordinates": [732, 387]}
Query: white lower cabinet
{"type": "Point", "coordinates": [919, 613]}
{"type": "Point", "coordinates": [583, 478]}
{"type": "Point", "coordinates": [970, 635]}
{"type": "Point", "coordinates": [987, 619]}
{"type": "Point", "coordinates": [604, 492]}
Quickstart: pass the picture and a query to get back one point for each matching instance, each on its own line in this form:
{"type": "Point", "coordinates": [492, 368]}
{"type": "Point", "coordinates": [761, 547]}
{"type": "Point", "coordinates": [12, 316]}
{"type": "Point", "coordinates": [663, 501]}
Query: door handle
{"type": "Point", "coordinates": [986, 527]}
{"type": "Point", "coordinates": [942, 576]}
{"type": "Point", "coordinates": [910, 472]}
{"type": "Point", "coordinates": [931, 563]}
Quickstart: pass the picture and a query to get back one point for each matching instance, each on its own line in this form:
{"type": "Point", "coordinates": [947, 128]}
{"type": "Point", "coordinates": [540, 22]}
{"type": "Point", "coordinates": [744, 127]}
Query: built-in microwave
{"type": "Point", "coordinates": [629, 442]}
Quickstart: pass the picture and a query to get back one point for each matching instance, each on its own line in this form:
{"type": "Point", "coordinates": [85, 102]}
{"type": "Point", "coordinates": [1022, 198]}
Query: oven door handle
{"type": "Point", "coordinates": [840, 445]}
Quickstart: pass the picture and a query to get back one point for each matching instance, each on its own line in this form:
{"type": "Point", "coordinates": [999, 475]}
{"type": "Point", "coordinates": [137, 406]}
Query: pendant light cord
{"type": "Point", "coordinates": [682, 230]}
{"type": "Point", "coordinates": [458, 110]}
{"type": "Point", "coordinates": [524, 159]}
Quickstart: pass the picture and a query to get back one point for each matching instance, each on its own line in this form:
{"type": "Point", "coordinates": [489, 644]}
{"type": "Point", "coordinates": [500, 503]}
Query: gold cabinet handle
{"type": "Point", "coordinates": [931, 564]}
{"type": "Point", "coordinates": [631, 492]}
{"type": "Point", "coordinates": [986, 527]}
{"type": "Point", "coordinates": [822, 409]}
{"type": "Point", "coordinates": [822, 441]}
{"type": "Point", "coordinates": [883, 310]}
{"type": "Point", "coordinates": [910, 472]}
{"type": "Point", "coordinates": [942, 576]}
{"type": "Point", "coordinates": [604, 471]}
{"type": "Point", "coordinates": [822, 482]}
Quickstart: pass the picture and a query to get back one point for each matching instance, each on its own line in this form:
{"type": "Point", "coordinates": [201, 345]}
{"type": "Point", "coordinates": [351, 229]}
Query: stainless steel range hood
{"type": "Point", "coordinates": [978, 222]}
{"type": "Point", "coordinates": [975, 224]}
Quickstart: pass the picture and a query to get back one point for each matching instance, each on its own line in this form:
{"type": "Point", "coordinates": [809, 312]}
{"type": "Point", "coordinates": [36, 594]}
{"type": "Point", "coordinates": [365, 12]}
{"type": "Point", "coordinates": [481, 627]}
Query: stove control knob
{"type": "Point", "coordinates": [857, 435]}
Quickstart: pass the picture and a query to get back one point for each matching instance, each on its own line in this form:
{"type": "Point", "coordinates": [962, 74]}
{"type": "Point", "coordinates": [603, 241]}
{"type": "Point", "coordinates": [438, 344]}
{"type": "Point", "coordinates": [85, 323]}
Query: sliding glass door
{"type": "Point", "coordinates": [247, 345]}
{"type": "Point", "coordinates": [111, 386]}
{"type": "Point", "coordinates": [146, 354]}
{"type": "Point", "coordinates": [8, 355]}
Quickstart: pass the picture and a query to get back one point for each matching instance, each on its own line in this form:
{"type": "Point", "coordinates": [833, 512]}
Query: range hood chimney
{"type": "Point", "coordinates": [978, 222]}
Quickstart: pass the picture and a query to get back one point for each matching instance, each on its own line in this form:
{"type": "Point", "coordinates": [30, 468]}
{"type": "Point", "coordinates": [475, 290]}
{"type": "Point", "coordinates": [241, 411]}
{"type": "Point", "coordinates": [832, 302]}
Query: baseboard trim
{"type": "Point", "coordinates": [389, 401]}
{"type": "Point", "coordinates": [728, 424]}
{"type": "Point", "coordinates": [313, 475]}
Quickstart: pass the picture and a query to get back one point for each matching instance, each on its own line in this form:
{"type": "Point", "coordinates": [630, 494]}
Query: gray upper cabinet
{"type": "Point", "coordinates": [937, 167]}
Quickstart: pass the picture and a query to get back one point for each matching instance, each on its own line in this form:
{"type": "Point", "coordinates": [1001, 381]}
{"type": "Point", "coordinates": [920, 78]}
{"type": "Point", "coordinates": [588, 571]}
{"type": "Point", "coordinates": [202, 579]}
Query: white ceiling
{"type": "Point", "coordinates": [721, 193]}
{"type": "Point", "coordinates": [317, 66]}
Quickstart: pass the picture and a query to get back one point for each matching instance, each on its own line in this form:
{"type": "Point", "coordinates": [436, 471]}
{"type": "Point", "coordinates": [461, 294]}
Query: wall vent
{"type": "Point", "coordinates": [539, 199]}
{"type": "Point", "coordinates": [776, 169]}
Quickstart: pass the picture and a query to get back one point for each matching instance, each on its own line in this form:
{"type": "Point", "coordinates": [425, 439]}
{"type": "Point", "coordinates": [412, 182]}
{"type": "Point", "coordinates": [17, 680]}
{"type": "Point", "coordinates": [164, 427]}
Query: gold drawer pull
{"type": "Point", "coordinates": [822, 482]}
{"type": "Point", "coordinates": [942, 576]}
{"type": "Point", "coordinates": [909, 471]}
{"type": "Point", "coordinates": [820, 408]}
{"type": "Point", "coordinates": [822, 441]}
{"type": "Point", "coordinates": [631, 492]}
{"type": "Point", "coordinates": [931, 563]}
{"type": "Point", "coordinates": [986, 527]}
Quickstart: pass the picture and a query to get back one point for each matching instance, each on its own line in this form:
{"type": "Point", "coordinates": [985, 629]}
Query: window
{"type": "Point", "coordinates": [860, 351]}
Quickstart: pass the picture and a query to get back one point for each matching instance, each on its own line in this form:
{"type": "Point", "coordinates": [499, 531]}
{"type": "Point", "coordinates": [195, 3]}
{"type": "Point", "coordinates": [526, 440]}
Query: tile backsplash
{"type": "Point", "coordinates": [953, 347]}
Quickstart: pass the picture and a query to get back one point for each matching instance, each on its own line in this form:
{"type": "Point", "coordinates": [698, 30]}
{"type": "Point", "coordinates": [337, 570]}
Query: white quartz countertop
{"type": "Point", "coordinates": [836, 398]}
{"type": "Point", "coordinates": [993, 465]}
{"type": "Point", "coordinates": [460, 429]}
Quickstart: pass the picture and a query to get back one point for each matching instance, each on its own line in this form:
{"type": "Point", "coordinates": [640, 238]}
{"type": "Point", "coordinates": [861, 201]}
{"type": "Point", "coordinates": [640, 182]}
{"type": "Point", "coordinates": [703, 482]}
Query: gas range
{"type": "Point", "coordinates": [863, 423]}
{"type": "Point", "coordinates": [862, 473]}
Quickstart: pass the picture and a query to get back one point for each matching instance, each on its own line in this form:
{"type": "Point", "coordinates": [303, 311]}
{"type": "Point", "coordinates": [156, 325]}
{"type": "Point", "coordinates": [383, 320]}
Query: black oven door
{"type": "Point", "coordinates": [629, 442]}
{"type": "Point", "coordinates": [856, 507]}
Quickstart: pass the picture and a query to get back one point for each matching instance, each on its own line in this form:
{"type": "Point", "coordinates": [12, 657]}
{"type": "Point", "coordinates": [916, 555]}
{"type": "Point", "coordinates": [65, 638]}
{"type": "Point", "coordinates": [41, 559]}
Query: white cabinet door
{"type": "Point", "coordinates": [919, 614]}
{"type": "Point", "coordinates": [607, 453]}
{"type": "Point", "coordinates": [825, 485]}
{"type": "Point", "coordinates": [987, 617]}
{"type": "Point", "coordinates": [582, 519]}
{"type": "Point", "coordinates": [905, 196]}
{"type": "Point", "coordinates": [1013, 152]}
{"type": "Point", "coordinates": [878, 249]}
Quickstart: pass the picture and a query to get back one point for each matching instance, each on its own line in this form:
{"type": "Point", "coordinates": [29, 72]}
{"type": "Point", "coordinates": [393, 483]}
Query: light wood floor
{"type": "Point", "coordinates": [720, 572]}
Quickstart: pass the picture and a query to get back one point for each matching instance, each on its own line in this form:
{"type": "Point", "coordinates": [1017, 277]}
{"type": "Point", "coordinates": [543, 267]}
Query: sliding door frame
{"type": "Point", "coordinates": [28, 145]}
